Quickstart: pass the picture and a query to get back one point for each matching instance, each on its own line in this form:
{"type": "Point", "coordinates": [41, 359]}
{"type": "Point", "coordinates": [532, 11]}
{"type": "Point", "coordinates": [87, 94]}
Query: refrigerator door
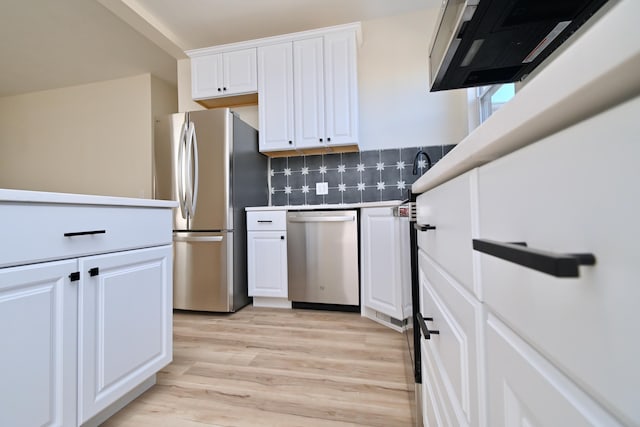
{"type": "Point", "coordinates": [203, 271]}
{"type": "Point", "coordinates": [208, 165]}
{"type": "Point", "coordinates": [169, 167]}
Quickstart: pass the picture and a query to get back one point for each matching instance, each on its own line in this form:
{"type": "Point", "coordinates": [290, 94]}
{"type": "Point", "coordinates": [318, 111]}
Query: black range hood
{"type": "Point", "coordinates": [485, 42]}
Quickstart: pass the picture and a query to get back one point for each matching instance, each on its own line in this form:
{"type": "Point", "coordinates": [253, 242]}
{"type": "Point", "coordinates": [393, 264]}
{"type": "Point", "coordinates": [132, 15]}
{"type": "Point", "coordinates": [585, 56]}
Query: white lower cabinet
{"type": "Point", "coordinates": [82, 336]}
{"type": "Point", "coordinates": [267, 257]}
{"type": "Point", "coordinates": [124, 324]}
{"type": "Point", "coordinates": [453, 356]}
{"type": "Point", "coordinates": [267, 263]}
{"type": "Point", "coordinates": [38, 321]}
{"type": "Point", "coordinates": [527, 391]}
{"type": "Point", "coordinates": [555, 345]}
{"type": "Point", "coordinates": [385, 266]}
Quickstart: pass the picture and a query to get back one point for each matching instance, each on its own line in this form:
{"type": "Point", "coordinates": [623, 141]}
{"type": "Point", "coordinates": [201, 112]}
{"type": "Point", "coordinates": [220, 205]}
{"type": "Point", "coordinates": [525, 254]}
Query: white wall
{"type": "Point", "coordinates": [94, 138]}
{"type": "Point", "coordinates": [396, 107]}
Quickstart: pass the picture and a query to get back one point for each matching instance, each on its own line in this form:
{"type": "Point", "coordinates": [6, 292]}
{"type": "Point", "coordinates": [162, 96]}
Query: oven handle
{"type": "Point", "coordinates": [423, 326]}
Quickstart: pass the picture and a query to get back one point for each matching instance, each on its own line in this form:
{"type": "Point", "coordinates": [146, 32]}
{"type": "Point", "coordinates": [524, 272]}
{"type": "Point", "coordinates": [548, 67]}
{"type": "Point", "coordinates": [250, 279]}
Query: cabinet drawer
{"type": "Point", "coordinates": [266, 220]}
{"type": "Point", "coordinates": [436, 407]}
{"type": "Point", "coordinates": [449, 208]}
{"type": "Point", "coordinates": [524, 389]}
{"type": "Point", "coordinates": [39, 230]}
{"type": "Point", "coordinates": [455, 351]}
{"type": "Point", "coordinates": [566, 194]}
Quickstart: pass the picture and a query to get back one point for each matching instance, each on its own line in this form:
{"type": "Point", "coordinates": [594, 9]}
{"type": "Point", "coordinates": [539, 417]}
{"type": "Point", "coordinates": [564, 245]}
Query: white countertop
{"type": "Point", "coordinates": [336, 206]}
{"type": "Point", "coordinates": [24, 196]}
{"type": "Point", "coordinates": [599, 70]}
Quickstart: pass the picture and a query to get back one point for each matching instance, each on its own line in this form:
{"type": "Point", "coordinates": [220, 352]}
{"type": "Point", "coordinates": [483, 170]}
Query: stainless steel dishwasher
{"type": "Point", "coordinates": [322, 257]}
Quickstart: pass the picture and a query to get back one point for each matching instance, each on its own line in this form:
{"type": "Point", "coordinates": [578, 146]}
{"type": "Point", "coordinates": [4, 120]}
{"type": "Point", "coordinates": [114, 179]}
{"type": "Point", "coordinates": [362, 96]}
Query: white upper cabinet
{"type": "Point", "coordinates": [275, 103]}
{"type": "Point", "coordinates": [341, 88]}
{"type": "Point", "coordinates": [308, 61]}
{"type": "Point", "coordinates": [326, 91]}
{"type": "Point", "coordinates": [307, 85]}
{"type": "Point", "coordinates": [224, 74]}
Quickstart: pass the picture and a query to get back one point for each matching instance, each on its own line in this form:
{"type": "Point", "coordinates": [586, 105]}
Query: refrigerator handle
{"type": "Point", "coordinates": [189, 162]}
{"type": "Point", "coordinates": [181, 170]}
{"type": "Point", "coordinates": [194, 189]}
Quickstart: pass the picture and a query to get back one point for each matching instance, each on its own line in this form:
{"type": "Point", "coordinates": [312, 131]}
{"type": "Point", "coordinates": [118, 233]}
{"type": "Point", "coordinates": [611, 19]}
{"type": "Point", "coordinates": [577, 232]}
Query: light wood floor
{"type": "Point", "coordinates": [270, 367]}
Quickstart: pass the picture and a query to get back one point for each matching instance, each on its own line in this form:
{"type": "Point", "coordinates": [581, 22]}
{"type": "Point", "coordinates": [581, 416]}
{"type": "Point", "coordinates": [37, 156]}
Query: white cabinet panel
{"type": "Point", "coordinates": [206, 76]}
{"type": "Point", "coordinates": [267, 263]}
{"type": "Point", "coordinates": [457, 350]}
{"type": "Point", "coordinates": [525, 390]}
{"type": "Point", "coordinates": [308, 60]}
{"type": "Point", "coordinates": [108, 228]}
{"type": "Point", "coordinates": [275, 97]}
{"type": "Point", "coordinates": [341, 88]}
{"type": "Point", "coordinates": [124, 324]}
{"type": "Point", "coordinates": [267, 254]}
{"type": "Point", "coordinates": [267, 220]}
{"type": "Point", "coordinates": [38, 334]}
{"type": "Point", "coordinates": [224, 74]}
{"type": "Point", "coordinates": [451, 207]}
{"type": "Point", "coordinates": [239, 72]}
{"type": "Point", "coordinates": [382, 263]}
{"type": "Point", "coordinates": [574, 192]}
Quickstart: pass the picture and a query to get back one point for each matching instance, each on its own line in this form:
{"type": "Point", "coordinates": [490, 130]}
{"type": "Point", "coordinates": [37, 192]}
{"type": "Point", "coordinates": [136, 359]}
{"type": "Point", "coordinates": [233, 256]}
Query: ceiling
{"type": "Point", "coordinates": [51, 44]}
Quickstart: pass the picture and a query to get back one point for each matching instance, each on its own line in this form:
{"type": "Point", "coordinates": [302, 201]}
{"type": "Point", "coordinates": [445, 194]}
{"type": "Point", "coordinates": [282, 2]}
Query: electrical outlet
{"type": "Point", "coordinates": [322, 188]}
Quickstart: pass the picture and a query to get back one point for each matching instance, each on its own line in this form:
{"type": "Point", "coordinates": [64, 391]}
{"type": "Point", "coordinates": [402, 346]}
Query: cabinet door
{"type": "Point", "coordinates": [341, 88]}
{"type": "Point", "coordinates": [525, 390]}
{"type": "Point", "coordinates": [555, 196]}
{"type": "Point", "coordinates": [308, 69]}
{"type": "Point", "coordinates": [240, 72]}
{"type": "Point", "coordinates": [206, 76]}
{"type": "Point", "coordinates": [275, 97]}
{"type": "Point", "coordinates": [124, 326]}
{"type": "Point", "coordinates": [267, 263]}
{"type": "Point", "coordinates": [381, 261]}
{"type": "Point", "coordinates": [38, 320]}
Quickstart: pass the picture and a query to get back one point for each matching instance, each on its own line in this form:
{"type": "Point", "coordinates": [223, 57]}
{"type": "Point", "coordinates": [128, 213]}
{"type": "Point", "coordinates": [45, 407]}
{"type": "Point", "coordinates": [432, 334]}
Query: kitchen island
{"type": "Point", "coordinates": [85, 304]}
{"type": "Point", "coordinates": [540, 326]}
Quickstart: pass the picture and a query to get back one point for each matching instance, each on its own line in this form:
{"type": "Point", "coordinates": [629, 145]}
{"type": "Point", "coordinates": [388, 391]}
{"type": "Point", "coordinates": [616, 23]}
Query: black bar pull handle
{"type": "Point", "coordinates": [423, 326]}
{"type": "Point", "coordinates": [94, 271]}
{"type": "Point", "coordinates": [84, 233]}
{"type": "Point", "coordinates": [558, 265]}
{"type": "Point", "coordinates": [425, 227]}
{"type": "Point", "coordinates": [75, 276]}
{"type": "Point", "coordinates": [265, 221]}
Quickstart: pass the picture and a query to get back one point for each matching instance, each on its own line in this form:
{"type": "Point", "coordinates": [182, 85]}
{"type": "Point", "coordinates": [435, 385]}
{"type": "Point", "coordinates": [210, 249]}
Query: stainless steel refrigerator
{"type": "Point", "coordinates": [209, 162]}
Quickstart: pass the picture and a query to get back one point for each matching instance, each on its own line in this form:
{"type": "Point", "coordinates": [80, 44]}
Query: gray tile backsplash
{"type": "Point", "coordinates": [366, 176]}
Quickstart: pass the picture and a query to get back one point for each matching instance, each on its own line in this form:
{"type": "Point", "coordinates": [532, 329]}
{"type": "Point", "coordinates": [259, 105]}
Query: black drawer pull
{"type": "Point", "coordinates": [425, 227]}
{"type": "Point", "coordinates": [423, 326]}
{"type": "Point", "coordinates": [75, 276]}
{"type": "Point", "coordinates": [265, 221]}
{"type": "Point", "coordinates": [558, 265]}
{"type": "Point", "coordinates": [94, 271]}
{"type": "Point", "coordinates": [84, 233]}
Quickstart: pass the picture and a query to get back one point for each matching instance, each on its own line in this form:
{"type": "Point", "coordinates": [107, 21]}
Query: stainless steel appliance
{"type": "Point", "coordinates": [322, 257]}
{"type": "Point", "coordinates": [484, 42]}
{"type": "Point", "coordinates": [209, 162]}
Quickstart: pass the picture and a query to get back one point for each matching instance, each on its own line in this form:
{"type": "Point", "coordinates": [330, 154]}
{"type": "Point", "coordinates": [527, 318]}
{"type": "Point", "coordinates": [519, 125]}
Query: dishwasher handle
{"type": "Point", "coordinates": [337, 218]}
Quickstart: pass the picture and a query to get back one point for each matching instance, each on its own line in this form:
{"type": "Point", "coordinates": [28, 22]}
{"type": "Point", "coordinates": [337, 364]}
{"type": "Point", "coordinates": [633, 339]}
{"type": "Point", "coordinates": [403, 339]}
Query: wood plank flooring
{"type": "Point", "coordinates": [271, 367]}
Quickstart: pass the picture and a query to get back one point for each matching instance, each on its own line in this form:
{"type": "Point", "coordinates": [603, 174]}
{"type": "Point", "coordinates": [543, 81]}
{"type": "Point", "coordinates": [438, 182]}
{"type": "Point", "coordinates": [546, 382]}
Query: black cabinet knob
{"type": "Point", "coordinates": [281, 237]}
{"type": "Point", "coordinates": [224, 88]}
{"type": "Point", "coordinates": [328, 139]}
{"type": "Point", "coordinates": [320, 139]}
{"type": "Point", "coordinates": [290, 142]}
{"type": "Point", "coordinates": [219, 90]}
